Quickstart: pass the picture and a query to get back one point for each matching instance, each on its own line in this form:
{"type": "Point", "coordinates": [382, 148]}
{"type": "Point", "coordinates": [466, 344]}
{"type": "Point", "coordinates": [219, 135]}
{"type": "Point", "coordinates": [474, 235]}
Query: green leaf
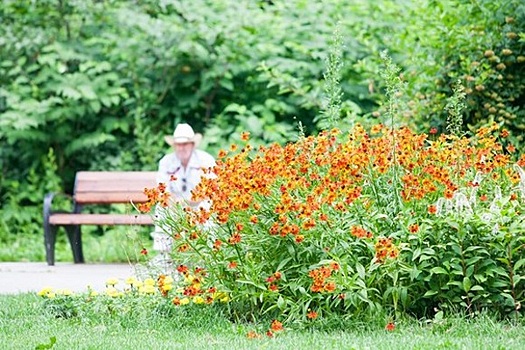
{"type": "Point", "coordinates": [95, 106]}
{"type": "Point", "coordinates": [281, 303]}
{"type": "Point", "coordinates": [516, 280]}
{"type": "Point", "coordinates": [70, 92]}
{"type": "Point", "coordinates": [87, 92]}
{"type": "Point", "coordinates": [477, 287]}
{"type": "Point", "coordinates": [226, 84]}
{"type": "Point", "coordinates": [259, 286]}
{"type": "Point", "coordinates": [360, 271]}
{"type": "Point", "coordinates": [430, 293]}
{"type": "Point", "coordinates": [518, 265]}
{"type": "Point", "coordinates": [466, 284]}
{"type": "Point", "coordinates": [438, 271]}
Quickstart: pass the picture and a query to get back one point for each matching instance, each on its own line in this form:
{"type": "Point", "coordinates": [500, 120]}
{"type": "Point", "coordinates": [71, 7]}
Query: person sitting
{"type": "Point", "coordinates": [181, 171]}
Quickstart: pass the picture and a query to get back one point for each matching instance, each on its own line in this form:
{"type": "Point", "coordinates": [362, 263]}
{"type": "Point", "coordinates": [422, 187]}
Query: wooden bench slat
{"type": "Point", "coordinates": [100, 219]}
{"type": "Point", "coordinates": [115, 175]}
{"type": "Point", "coordinates": [108, 198]}
{"type": "Point", "coordinates": [114, 184]}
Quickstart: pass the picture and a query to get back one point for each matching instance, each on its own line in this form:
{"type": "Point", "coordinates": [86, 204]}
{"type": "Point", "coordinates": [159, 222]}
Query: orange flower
{"type": "Point", "coordinates": [245, 136]}
{"type": "Point", "coordinates": [232, 265]}
{"type": "Point", "coordinates": [414, 228]}
{"type": "Point", "coordinates": [235, 238]}
{"type": "Point", "coordinates": [329, 287]}
{"type": "Point", "coordinates": [217, 244]}
{"type": "Point", "coordinates": [358, 231]}
{"type": "Point", "coordinates": [312, 315]}
{"type": "Point", "coordinates": [222, 153]}
{"type": "Point", "coordinates": [432, 209]}
{"type": "Point", "coordinates": [182, 269]}
{"type": "Point", "coordinates": [276, 326]}
{"type": "Point", "coordinates": [390, 326]}
{"type": "Point", "coordinates": [183, 248]}
{"type": "Point", "coordinates": [253, 335]}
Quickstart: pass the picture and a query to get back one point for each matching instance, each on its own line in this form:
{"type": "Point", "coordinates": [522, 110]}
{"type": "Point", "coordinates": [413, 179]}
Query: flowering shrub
{"type": "Point", "coordinates": [345, 223]}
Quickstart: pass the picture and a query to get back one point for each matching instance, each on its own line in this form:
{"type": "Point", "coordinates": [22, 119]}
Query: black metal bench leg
{"type": "Point", "coordinates": [50, 234]}
{"type": "Point", "coordinates": [75, 239]}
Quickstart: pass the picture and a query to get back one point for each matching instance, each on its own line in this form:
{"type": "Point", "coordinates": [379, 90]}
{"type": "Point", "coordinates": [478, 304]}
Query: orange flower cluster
{"type": "Point", "coordinates": [312, 315]}
{"type": "Point", "coordinates": [155, 195]}
{"type": "Point", "coordinates": [305, 183]}
{"type": "Point", "coordinates": [320, 278]}
{"type": "Point", "coordinates": [275, 326]}
{"type": "Point", "coordinates": [164, 284]}
{"type": "Point", "coordinates": [390, 326]}
{"type": "Point", "coordinates": [359, 232]}
{"type": "Point", "coordinates": [193, 287]}
{"type": "Point", "coordinates": [273, 281]}
{"type": "Point", "coordinates": [385, 249]}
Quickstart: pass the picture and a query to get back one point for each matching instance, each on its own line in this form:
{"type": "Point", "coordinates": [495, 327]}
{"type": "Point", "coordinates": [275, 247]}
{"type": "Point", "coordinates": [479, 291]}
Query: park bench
{"type": "Point", "coordinates": [96, 188]}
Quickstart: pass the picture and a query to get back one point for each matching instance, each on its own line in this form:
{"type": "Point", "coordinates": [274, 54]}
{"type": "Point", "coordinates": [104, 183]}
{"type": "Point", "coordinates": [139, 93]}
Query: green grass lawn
{"type": "Point", "coordinates": [25, 324]}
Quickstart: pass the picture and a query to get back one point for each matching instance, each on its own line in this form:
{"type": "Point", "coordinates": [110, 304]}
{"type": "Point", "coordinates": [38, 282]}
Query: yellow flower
{"type": "Point", "coordinates": [221, 296]}
{"type": "Point", "coordinates": [147, 289]}
{"type": "Point", "coordinates": [184, 301]}
{"type": "Point", "coordinates": [167, 287]}
{"type": "Point", "coordinates": [132, 281]}
{"type": "Point", "coordinates": [44, 291]}
{"type": "Point", "coordinates": [112, 292]}
{"type": "Point", "coordinates": [198, 300]}
{"type": "Point", "coordinates": [66, 292]}
{"type": "Point", "coordinates": [50, 295]}
{"type": "Point", "coordinates": [149, 282]}
{"type": "Point", "coordinates": [168, 280]}
{"type": "Point", "coordinates": [93, 293]}
{"type": "Point", "coordinates": [111, 281]}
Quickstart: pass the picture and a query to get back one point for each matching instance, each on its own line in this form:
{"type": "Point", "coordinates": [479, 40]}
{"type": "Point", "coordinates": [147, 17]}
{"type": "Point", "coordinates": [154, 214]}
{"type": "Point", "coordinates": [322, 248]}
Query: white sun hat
{"type": "Point", "coordinates": [183, 133]}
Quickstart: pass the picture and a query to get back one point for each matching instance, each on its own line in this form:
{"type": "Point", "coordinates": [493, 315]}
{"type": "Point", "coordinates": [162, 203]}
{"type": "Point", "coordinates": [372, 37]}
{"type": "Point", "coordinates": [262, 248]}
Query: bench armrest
{"type": "Point", "coordinates": [48, 202]}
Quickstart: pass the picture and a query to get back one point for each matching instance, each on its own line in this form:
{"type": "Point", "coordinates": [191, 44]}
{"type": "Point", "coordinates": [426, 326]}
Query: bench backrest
{"type": "Point", "coordinates": [99, 187]}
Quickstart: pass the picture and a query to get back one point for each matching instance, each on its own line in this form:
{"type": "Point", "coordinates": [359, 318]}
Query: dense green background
{"type": "Point", "coordinates": [96, 84]}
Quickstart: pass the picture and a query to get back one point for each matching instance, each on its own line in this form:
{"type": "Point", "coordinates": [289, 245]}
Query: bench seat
{"type": "Point", "coordinates": [100, 219]}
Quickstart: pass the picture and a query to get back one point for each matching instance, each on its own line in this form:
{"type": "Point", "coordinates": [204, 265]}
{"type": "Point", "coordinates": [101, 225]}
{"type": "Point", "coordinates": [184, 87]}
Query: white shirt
{"type": "Point", "coordinates": [185, 179]}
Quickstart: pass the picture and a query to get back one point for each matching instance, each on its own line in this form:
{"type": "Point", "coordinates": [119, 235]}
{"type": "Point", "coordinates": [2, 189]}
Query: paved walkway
{"type": "Point", "coordinates": [33, 276]}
